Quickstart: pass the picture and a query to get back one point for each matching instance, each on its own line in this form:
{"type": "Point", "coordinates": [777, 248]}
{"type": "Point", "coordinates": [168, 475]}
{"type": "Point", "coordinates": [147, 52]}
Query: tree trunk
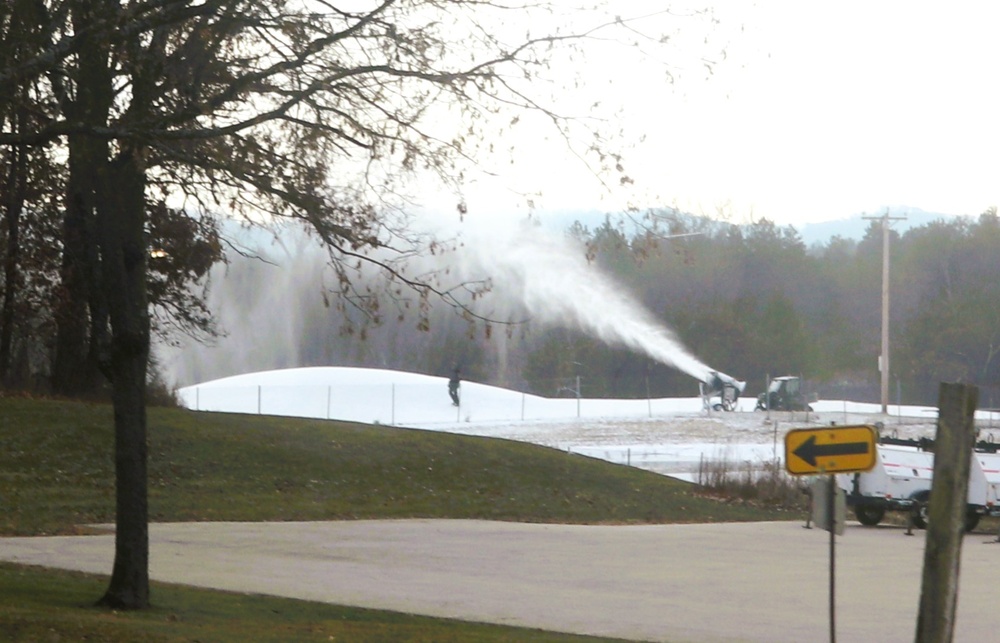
{"type": "Point", "coordinates": [123, 357]}
{"type": "Point", "coordinates": [14, 190]}
{"type": "Point", "coordinates": [74, 365]}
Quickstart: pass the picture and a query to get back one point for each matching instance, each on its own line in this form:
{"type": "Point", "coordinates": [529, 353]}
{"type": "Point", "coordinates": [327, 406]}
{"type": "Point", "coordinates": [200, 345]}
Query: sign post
{"type": "Point", "coordinates": [828, 451]}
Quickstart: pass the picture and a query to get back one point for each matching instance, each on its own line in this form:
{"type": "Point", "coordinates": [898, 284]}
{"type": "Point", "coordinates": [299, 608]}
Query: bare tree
{"type": "Point", "coordinates": [321, 112]}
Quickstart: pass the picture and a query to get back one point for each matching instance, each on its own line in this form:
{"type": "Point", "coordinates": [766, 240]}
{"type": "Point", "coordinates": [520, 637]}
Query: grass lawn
{"type": "Point", "coordinates": [57, 472]}
{"type": "Point", "coordinates": [52, 605]}
{"type": "Point", "coordinates": [56, 476]}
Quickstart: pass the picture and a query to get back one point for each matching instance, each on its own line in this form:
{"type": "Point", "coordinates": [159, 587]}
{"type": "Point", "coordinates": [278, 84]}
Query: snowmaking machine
{"type": "Point", "coordinates": [722, 386]}
{"type": "Point", "coordinates": [783, 394]}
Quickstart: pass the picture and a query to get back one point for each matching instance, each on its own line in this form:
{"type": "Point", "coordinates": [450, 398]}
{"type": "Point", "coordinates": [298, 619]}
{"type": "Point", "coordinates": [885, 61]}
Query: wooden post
{"type": "Point", "coordinates": [883, 359]}
{"type": "Point", "coordinates": [577, 396]}
{"type": "Point", "coordinates": [956, 436]}
{"type": "Point", "coordinates": [831, 496]}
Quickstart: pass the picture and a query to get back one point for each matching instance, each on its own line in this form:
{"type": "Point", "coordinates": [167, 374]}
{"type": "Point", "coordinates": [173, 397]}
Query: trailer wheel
{"type": "Point", "coordinates": [919, 512]}
{"type": "Point", "coordinates": [869, 515]}
{"type": "Point", "coordinates": [921, 517]}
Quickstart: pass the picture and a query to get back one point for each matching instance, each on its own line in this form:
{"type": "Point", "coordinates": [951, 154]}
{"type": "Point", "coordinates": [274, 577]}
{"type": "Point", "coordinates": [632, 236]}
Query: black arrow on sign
{"type": "Point", "coordinates": [809, 450]}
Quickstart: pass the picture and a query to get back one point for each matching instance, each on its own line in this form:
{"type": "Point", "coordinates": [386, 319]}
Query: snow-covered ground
{"type": "Point", "coordinates": [667, 435]}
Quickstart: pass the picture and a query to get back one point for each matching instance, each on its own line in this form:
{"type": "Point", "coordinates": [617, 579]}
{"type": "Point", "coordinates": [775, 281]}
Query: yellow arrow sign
{"type": "Point", "coordinates": [836, 449]}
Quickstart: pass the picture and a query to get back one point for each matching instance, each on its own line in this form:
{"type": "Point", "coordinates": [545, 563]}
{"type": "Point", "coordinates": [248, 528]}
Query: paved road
{"type": "Point", "coordinates": [733, 582]}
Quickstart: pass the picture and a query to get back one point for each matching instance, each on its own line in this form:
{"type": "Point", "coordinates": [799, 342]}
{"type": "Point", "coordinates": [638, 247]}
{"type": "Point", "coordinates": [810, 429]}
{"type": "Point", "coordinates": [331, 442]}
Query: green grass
{"type": "Point", "coordinates": [51, 605]}
{"type": "Point", "coordinates": [57, 475]}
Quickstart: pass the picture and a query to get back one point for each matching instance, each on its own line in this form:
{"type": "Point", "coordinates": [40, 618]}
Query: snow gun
{"type": "Point", "coordinates": [726, 387]}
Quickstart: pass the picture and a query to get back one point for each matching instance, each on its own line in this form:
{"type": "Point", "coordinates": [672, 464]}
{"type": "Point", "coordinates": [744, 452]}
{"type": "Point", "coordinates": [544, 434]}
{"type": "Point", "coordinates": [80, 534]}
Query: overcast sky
{"type": "Point", "coordinates": [818, 111]}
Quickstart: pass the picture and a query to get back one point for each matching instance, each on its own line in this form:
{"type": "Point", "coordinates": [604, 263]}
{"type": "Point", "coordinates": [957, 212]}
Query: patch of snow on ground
{"type": "Point", "coordinates": [667, 435]}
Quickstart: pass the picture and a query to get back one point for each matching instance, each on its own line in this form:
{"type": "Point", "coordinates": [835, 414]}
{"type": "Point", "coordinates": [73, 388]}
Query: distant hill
{"type": "Point", "coordinates": [855, 227]}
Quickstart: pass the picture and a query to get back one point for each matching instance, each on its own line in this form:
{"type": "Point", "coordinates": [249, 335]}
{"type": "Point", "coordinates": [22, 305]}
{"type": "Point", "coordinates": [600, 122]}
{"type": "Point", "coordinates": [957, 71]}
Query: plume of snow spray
{"type": "Point", "coordinates": [552, 280]}
{"type": "Point", "coordinates": [543, 276]}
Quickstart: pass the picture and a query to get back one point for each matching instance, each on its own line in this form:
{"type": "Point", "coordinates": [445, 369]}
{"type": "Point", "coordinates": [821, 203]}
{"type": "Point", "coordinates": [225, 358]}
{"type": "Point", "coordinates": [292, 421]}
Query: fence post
{"type": "Point", "coordinates": [649, 401]}
{"type": "Point", "coordinates": [899, 402]}
{"type": "Point", "coordinates": [197, 398]}
{"type": "Point", "coordinates": [956, 435]}
{"type": "Point", "coordinates": [577, 396]}
{"type": "Point", "coordinates": [767, 395]}
{"type": "Point", "coordinates": [258, 398]}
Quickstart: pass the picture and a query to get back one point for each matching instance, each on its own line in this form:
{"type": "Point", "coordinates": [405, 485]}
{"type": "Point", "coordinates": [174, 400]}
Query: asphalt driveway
{"type": "Point", "coordinates": [721, 582]}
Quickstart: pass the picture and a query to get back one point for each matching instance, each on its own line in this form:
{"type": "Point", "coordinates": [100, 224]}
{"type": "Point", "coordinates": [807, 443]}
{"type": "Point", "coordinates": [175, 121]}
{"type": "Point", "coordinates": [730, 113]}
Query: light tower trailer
{"type": "Point", "coordinates": [984, 487]}
{"type": "Point", "coordinates": [901, 475]}
{"type": "Point", "coordinates": [901, 481]}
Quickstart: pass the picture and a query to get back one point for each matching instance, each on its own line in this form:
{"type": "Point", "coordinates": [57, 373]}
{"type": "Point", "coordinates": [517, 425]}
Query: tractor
{"type": "Point", "coordinates": [784, 394]}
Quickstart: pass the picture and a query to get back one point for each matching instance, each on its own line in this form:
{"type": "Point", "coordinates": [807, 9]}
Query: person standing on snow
{"type": "Point", "coordinates": [453, 385]}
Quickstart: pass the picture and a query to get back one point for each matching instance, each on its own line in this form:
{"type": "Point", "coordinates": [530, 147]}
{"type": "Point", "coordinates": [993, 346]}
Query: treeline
{"type": "Point", "coordinates": [749, 300]}
{"type": "Point", "coordinates": [754, 300]}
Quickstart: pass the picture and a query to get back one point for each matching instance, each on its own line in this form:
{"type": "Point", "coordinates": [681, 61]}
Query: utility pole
{"type": "Point", "coordinates": [883, 362]}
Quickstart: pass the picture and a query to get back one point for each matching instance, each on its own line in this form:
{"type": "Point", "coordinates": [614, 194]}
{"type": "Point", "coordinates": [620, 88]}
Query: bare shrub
{"type": "Point", "coordinates": [762, 483]}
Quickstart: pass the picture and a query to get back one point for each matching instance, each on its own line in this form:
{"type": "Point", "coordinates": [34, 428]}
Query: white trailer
{"type": "Point", "coordinates": [984, 483]}
{"type": "Point", "coordinates": [900, 476]}
{"type": "Point", "coordinates": [901, 481]}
